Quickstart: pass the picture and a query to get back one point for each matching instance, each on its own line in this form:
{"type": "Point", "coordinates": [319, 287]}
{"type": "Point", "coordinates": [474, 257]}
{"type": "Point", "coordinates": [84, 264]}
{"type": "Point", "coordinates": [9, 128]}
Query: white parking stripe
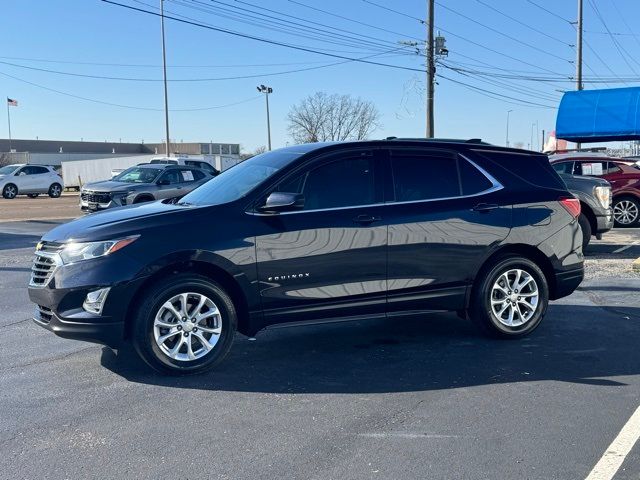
{"type": "Point", "coordinates": [610, 462]}
{"type": "Point", "coordinates": [622, 249]}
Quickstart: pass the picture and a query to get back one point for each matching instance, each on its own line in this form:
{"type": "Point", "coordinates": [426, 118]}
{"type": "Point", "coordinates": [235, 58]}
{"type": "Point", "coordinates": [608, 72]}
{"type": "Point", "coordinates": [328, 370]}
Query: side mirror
{"type": "Point", "coordinates": [164, 181]}
{"type": "Point", "coordinates": [282, 202]}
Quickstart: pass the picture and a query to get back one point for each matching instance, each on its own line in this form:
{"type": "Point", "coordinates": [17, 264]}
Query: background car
{"type": "Point", "coordinates": [596, 215]}
{"type": "Point", "coordinates": [207, 167]}
{"type": "Point", "coordinates": [623, 176]}
{"type": "Point", "coordinates": [142, 183]}
{"type": "Point", "coordinates": [31, 180]}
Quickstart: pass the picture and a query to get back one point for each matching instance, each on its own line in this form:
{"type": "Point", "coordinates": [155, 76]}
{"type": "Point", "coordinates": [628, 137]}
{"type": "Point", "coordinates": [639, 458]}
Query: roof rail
{"type": "Point", "coordinates": [583, 150]}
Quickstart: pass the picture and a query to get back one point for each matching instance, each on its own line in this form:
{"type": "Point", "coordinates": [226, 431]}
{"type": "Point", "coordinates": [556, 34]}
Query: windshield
{"type": "Point", "coordinates": [8, 169]}
{"type": "Point", "coordinates": [138, 175]}
{"type": "Point", "coordinates": [239, 180]}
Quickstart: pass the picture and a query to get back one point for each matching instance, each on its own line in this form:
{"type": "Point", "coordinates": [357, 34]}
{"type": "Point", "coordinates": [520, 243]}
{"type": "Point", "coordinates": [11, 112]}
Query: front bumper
{"type": "Point", "coordinates": [604, 222]}
{"type": "Point", "coordinates": [114, 201]}
{"type": "Point", "coordinates": [95, 330]}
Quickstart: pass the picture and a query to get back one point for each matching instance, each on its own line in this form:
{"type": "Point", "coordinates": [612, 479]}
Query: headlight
{"type": "Point", "coordinates": [603, 194]}
{"type": "Point", "coordinates": [77, 252]}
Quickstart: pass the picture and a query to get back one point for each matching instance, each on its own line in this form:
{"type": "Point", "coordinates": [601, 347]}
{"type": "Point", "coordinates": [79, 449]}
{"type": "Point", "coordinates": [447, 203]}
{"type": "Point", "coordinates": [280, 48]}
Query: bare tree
{"type": "Point", "coordinates": [257, 151]}
{"type": "Point", "coordinates": [322, 117]}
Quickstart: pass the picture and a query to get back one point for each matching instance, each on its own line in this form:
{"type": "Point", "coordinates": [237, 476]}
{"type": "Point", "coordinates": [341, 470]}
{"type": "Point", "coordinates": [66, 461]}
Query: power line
{"type": "Point", "coordinates": [524, 24]}
{"type": "Point", "coordinates": [264, 40]}
{"type": "Point", "coordinates": [132, 107]}
{"type": "Point", "coordinates": [619, 48]}
{"type": "Point", "coordinates": [495, 30]}
{"type": "Point", "coordinates": [135, 79]}
{"type": "Point", "coordinates": [394, 11]}
{"type": "Point", "coordinates": [554, 14]}
{"type": "Point", "coordinates": [355, 21]}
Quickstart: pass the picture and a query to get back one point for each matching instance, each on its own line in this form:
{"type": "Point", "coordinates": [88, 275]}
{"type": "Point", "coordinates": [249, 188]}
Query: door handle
{"type": "Point", "coordinates": [366, 219]}
{"type": "Point", "coordinates": [485, 207]}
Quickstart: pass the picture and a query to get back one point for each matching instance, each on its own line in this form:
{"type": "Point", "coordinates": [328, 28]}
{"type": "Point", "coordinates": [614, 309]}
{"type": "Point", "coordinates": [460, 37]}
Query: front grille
{"type": "Point", "coordinates": [94, 197]}
{"type": "Point", "coordinates": [43, 314]}
{"type": "Point", "coordinates": [44, 264]}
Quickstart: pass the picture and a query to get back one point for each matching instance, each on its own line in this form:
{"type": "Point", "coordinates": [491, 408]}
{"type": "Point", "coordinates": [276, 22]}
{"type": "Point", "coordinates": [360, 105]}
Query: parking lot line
{"type": "Point", "coordinates": [622, 249]}
{"type": "Point", "coordinates": [612, 459]}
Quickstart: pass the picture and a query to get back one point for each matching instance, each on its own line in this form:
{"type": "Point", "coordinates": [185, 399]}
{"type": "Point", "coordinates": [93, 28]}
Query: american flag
{"type": "Point", "coordinates": [11, 102]}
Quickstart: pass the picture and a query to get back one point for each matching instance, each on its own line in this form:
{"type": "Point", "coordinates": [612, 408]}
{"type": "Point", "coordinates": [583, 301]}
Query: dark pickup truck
{"type": "Point", "coordinates": [594, 194]}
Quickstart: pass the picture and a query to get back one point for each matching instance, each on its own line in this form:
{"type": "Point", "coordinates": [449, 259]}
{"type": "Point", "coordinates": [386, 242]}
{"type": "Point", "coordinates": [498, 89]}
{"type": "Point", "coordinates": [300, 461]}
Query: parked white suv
{"type": "Point", "coordinates": [31, 180]}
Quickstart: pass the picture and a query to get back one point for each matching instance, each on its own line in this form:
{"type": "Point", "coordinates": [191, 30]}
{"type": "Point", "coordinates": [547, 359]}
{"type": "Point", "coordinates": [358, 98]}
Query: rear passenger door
{"type": "Point", "coordinates": [444, 215]}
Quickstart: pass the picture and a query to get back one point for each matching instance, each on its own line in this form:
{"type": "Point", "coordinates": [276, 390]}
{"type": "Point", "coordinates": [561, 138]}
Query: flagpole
{"type": "Point", "coordinates": [9, 122]}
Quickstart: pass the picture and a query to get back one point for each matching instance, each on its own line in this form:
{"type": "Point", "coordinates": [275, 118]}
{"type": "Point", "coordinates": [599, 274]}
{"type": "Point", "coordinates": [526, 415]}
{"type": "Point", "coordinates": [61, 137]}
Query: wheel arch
{"type": "Point", "coordinates": [205, 269]}
{"type": "Point", "coordinates": [588, 212]}
{"type": "Point", "coordinates": [143, 197]}
{"type": "Point", "coordinates": [522, 250]}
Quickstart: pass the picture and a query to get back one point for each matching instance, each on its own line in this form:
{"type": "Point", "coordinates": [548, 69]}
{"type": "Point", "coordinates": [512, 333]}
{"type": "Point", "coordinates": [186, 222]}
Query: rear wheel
{"type": "Point", "coordinates": [9, 191]}
{"type": "Point", "coordinates": [510, 298]}
{"type": "Point", "coordinates": [55, 190]}
{"type": "Point", "coordinates": [585, 225]}
{"type": "Point", "coordinates": [626, 212]}
{"type": "Point", "coordinates": [184, 325]}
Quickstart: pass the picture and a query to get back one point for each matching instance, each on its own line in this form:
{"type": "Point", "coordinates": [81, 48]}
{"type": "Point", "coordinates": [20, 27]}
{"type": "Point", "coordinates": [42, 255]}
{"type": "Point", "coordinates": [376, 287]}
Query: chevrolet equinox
{"type": "Point", "coordinates": [312, 233]}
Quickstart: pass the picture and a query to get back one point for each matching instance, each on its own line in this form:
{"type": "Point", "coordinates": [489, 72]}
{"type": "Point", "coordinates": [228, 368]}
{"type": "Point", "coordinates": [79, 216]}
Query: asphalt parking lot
{"type": "Point", "coordinates": [419, 397]}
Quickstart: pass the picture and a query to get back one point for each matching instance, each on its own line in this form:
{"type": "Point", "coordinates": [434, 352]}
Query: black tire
{"type": "Point", "coordinates": [10, 191]}
{"type": "Point", "coordinates": [633, 206]}
{"type": "Point", "coordinates": [55, 190]}
{"type": "Point", "coordinates": [480, 308]}
{"type": "Point", "coordinates": [154, 297]}
{"type": "Point", "coordinates": [33, 195]}
{"type": "Point", "coordinates": [585, 225]}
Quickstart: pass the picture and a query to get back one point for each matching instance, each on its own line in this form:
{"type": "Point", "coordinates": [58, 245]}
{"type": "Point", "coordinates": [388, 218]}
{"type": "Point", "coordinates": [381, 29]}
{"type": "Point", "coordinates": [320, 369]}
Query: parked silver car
{"type": "Point", "coordinates": [31, 180]}
{"type": "Point", "coordinates": [142, 183]}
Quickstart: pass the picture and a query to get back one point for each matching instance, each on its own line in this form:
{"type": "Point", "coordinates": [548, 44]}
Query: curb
{"type": "Point", "coordinates": [635, 265]}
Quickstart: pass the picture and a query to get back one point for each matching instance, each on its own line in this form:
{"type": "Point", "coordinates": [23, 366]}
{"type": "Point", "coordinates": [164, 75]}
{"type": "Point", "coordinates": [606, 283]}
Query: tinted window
{"type": "Point", "coordinates": [197, 174]}
{"type": "Point", "coordinates": [422, 177]}
{"type": "Point", "coordinates": [172, 176]}
{"type": "Point", "coordinates": [532, 168]}
{"type": "Point", "coordinates": [341, 183]}
{"type": "Point", "coordinates": [613, 168]}
{"type": "Point", "coordinates": [473, 180]}
{"type": "Point", "coordinates": [563, 167]}
{"type": "Point", "coordinates": [38, 170]}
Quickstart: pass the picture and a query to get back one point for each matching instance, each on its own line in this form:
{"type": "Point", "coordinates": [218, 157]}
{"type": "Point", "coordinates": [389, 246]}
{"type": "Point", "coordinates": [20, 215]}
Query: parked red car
{"type": "Point", "coordinates": [624, 177]}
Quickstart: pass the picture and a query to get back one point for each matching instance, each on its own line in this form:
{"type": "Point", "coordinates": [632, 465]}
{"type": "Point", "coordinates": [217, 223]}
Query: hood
{"type": "Point", "coordinates": [107, 186]}
{"type": "Point", "coordinates": [124, 221]}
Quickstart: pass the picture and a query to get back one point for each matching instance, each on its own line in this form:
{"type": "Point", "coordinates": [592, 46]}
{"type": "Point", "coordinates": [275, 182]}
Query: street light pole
{"type": "Point", "coordinates": [267, 90]}
{"type": "Point", "coordinates": [164, 77]}
{"type": "Point", "coordinates": [579, 85]}
{"type": "Point", "coordinates": [508, 112]}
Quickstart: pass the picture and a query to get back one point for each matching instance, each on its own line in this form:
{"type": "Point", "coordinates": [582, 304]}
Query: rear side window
{"type": "Point", "coordinates": [533, 169]}
{"type": "Point", "coordinates": [424, 177]}
{"type": "Point", "coordinates": [473, 180]}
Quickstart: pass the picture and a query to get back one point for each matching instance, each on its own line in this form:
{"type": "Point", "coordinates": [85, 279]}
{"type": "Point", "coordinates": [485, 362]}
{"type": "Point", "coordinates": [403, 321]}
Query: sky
{"type": "Point", "coordinates": [503, 55]}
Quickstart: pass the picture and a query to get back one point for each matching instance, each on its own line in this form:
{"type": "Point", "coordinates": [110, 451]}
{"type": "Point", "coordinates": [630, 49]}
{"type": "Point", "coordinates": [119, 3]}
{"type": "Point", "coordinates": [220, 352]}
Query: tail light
{"type": "Point", "coordinates": [571, 205]}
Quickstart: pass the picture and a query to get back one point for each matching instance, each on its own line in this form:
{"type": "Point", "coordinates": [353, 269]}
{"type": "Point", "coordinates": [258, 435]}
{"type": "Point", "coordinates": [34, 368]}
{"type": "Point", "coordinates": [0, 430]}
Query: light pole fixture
{"type": "Point", "coordinates": [164, 79]}
{"type": "Point", "coordinates": [267, 90]}
{"type": "Point", "coordinates": [508, 112]}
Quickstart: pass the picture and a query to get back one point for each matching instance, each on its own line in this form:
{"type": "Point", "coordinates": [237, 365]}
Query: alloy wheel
{"type": "Point", "coordinates": [10, 191]}
{"type": "Point", "coordinates": [514, 298]}
{"type": "Point", "coordinates": [55, 191]}
{"type": "Point", "coordinates": [187, 326]}
{"type": "Point", "coordinates": [625, 212]}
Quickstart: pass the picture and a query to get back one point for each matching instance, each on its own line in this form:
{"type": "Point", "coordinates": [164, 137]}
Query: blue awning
{"type": "Point", "coordinates": [599, 115]}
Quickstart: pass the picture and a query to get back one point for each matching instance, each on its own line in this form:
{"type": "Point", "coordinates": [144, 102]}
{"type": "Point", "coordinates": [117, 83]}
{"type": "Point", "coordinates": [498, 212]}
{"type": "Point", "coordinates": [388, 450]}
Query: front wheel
{"type": "Point", "coordinates": [626, 212]}
{"type": "Point", "coordinates": [10, 191]}
{"type": "Point", "coordinates": [184, 325]}
{"type": "Point", "coordinates": [55, 190]}
{"type": "Point", "coordinates": [510, 298]}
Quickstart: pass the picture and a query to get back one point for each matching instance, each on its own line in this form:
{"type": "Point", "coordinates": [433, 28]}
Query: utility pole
{"type": "Point", "coordinates": [267, 90]}
{"type": "Point", "coordinates": [430, 68]}
{"type": "Point", "coordinates": [579, 52]}
{"type": "Point", "coordinates": [164, 77]}
{"type": "Point", "coordinates": [508, 112]}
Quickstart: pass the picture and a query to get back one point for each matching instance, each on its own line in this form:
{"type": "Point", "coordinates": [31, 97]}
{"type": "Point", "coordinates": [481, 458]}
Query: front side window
{"type": "Point", "coordinates": [171, 177]}
{"type": "Point", "coordinates": [594, 169]}
{"type": "Point", "coordinates": [346, 182]}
